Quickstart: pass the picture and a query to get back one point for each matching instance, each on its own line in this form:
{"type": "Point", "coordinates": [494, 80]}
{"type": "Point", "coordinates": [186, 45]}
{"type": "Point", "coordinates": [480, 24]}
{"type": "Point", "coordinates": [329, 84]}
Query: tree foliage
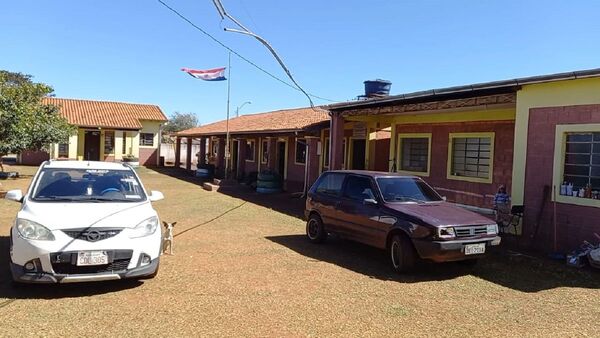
{"type": "Point", "coordinates": [181, 121]}
{"type": "Point", "coordinates": [25, 122]}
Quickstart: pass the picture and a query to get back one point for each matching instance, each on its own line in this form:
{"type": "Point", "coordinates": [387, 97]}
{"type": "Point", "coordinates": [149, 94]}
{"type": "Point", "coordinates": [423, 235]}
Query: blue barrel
{"type": "Point", "coordinates": [377, 87]}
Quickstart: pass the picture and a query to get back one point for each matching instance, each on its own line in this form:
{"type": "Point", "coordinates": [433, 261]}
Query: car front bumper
{"type": "Point", "coordinates": [452, 250]}
{"type": "Point", "coordinates": [20, 275]}
{"type": "Point", "coordinates": [55, 261]}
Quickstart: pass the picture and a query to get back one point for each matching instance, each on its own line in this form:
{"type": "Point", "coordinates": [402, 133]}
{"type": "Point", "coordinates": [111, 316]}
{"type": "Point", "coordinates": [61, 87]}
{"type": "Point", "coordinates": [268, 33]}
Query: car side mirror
{"type": "Point", "coordinates": [155, 196]}
{"type": "Point", "coordinates": [14, 195]}
{"type": "Point", "coordinates": [443, 198]}
{"type": "Point", "coordinates": [369, 201]}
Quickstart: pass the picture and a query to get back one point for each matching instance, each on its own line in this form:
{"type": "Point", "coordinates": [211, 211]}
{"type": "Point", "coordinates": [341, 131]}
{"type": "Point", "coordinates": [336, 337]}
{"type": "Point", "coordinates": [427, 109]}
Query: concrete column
{"type": "Point", "coordinates": [336, 139]}
{"type": "Point", "coordinates": [202, 153]}
{"type": "Point", "coordinates": [177, 151]}
{"type": "Point", "coordinates": [272, 157]}
{"type": "Point", "coordinates": [312, 161]}
{"type": "Point", "coordinates": [188, 153]}
{"type": "Point", "coordinates": [371, 144]}
{"type": "Point", "coordinates": [241, 165]}
{"type": "Point", "coordinates": [393, 148]}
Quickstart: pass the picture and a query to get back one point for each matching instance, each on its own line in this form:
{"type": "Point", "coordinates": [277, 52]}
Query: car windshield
{"type": "Point", "coordinates": [406, 189]}
{"type": "Point", "coordinates": [97, 185]}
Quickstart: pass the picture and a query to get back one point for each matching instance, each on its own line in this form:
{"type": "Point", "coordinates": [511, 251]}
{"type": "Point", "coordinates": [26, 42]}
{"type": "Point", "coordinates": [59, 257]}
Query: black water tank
{"type": "Point", "coordinates": [377, 88]}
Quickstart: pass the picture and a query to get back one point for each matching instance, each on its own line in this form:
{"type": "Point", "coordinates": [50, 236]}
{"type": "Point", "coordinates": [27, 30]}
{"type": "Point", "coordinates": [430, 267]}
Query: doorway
{"type": "Point", "coordinates": [358, 154]}
{"type": "Point", "coordinates": [281, 159]}
{"type": "Point", "coordinates": [91, 146]}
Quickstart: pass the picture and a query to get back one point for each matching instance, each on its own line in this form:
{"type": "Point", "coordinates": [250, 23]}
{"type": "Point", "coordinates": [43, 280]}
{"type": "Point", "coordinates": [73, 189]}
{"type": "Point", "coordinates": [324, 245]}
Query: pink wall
{"type": "Point", "coordinates": [574, 223]}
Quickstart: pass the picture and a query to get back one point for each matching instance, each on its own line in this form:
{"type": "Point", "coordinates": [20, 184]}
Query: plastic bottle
{"type": "Point", "coordinates": [563, 188]}
{"type": "Point", "coordinates": [570, 189]}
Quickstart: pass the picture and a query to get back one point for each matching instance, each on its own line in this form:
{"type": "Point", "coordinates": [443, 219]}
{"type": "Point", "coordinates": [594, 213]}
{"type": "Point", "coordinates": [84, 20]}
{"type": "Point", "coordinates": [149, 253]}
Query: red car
{"type": "Point", "coordinates": [401, 214]}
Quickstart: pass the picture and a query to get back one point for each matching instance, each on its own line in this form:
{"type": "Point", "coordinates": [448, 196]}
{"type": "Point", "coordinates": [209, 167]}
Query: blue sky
{"type": "Point", "coordinates": [132, 51]}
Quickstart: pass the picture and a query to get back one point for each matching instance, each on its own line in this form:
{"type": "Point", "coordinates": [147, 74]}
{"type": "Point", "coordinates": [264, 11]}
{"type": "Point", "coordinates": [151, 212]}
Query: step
{"type": "Point", "coordinates": [209, 186]}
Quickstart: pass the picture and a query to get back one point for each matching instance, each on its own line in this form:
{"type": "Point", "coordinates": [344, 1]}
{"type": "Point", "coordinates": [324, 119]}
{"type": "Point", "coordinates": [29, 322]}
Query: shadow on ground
{"type": "Point", "coordinates": [8, 290]}
{"type": "Point", "coordinates": [517, 272]}
{"type": "Point", "coordinates": [286, 203]}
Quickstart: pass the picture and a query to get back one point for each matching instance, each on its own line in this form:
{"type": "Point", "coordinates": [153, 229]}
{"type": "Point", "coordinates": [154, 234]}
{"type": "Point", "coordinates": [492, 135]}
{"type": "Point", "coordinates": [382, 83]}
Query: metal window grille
{"type": "Point", "coordinates": [582, 160]}
{"type": "Point", "coordinates": [471, 156]}
{"type": "Point", "coordinates": [415, 154]}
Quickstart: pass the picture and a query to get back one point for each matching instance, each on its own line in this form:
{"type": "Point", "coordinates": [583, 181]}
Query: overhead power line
{"type": "Point", "coordinates": [181, 16]}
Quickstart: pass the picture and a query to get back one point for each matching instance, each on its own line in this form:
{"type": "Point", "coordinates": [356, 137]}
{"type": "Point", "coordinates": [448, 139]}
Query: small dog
{"type": "Point", "coordinates": [168, 237]}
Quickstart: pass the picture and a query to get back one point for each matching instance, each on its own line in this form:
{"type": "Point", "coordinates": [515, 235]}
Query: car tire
{"type": "Point", "coordinates": [315, 229]}
{"type": "Point", "coordinates": [402, 254]}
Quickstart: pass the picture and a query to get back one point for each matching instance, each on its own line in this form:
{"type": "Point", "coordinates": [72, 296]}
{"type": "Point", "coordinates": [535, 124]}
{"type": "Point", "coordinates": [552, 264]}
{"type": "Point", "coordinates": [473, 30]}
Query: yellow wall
{"type": "Point", "coordinates": [552, 94]}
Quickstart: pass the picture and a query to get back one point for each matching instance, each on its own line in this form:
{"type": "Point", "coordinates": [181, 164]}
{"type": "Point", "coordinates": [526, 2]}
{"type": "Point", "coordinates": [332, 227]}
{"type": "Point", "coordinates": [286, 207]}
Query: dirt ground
{"type": "Point", "coordinates": [243, 269]}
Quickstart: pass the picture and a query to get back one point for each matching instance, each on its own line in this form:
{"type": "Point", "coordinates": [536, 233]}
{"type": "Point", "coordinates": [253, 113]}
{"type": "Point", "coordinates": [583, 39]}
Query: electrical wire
{"type": "Point", "coordinates": [236, 53]}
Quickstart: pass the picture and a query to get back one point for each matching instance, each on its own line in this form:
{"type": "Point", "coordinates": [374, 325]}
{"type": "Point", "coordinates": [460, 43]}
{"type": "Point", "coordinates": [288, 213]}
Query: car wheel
{"type": "Point", "coordinates": [315, 230]}
{"type": "Point", "coordinates": [402, 253]}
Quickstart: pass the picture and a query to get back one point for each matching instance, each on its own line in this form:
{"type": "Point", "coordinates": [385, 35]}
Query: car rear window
{"type": "Point", "coordinates": [330, 184]}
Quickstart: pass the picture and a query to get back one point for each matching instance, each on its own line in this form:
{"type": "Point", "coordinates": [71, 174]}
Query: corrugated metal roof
{"type": "Point", "coordinates": [468, 90]}
{"type": "Point", "coordinates": [106, 114]}
{"type": "Point", "coordinates": [278, 121]}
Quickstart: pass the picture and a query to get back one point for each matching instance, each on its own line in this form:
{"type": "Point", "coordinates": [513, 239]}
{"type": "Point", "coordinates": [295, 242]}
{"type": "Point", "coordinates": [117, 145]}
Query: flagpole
{"type": "Point", "coordinates": [227, 150]}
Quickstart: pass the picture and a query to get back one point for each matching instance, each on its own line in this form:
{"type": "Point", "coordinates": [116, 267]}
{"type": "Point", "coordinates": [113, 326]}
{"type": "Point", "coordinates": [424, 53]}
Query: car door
{"type": "Point", "coordinates": [359, 210]}
{"type": "Point", "coordinates": [325, 198]}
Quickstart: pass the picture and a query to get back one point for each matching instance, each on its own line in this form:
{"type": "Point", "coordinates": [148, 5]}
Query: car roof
{"type": "Point", "coordinates": [371, 173]}
{"type": "Point", "coordinates": [86, 165]}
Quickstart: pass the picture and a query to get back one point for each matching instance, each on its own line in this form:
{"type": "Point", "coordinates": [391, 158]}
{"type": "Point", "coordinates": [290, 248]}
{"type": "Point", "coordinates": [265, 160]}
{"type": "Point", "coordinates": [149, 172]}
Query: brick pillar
{"type": "Point", "coordinates": [336, 137]}
{"type": "Point", "coordinates": [272, 157]}
{"type": "Point", "coordinates": [241, 165]}
{"type": "Point", "coordinates": [221, 157]}
{"type": "Point", "coordinates": [188, 154]}
{"type": "Point", "coordinates": [312, 161]}
{"type": "Point", "coordinates": [177, 152]}
{"type": "Point", "coordinates": [202, 153]}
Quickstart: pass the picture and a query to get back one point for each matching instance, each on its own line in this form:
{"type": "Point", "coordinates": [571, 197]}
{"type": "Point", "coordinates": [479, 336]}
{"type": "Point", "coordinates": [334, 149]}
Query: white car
{"type": "Point", "coordinates": [84, 221]}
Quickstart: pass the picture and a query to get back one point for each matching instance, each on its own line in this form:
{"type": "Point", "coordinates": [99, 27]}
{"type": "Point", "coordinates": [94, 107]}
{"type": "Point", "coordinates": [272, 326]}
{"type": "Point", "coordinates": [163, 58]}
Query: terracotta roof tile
{"type": "Point", "coordinates": [105, 114]}
{"type": "Point", "coordinates": [274, 121]}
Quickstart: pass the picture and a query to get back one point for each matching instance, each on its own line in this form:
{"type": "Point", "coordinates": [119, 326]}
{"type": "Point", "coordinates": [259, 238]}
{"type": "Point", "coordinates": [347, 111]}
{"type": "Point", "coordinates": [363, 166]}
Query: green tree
{"type": "Point", "coordinates": [181, 121]}
{"type": "Point", "coordinates": [25, 122]}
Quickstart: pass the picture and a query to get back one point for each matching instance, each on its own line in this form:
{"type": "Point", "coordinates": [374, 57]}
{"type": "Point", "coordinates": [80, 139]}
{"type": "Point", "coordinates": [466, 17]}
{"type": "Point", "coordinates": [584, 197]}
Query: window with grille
{"type": "Point", "coordinates": [63, 150]}
{"type": "Point", "coordinates": [265, 152]}
{"type": "Point", "coordinates": [326, 153]}
{"type": "Point", "coordinates": [147, 139]}
{"type": "Point", "coordinates": [109, 142]}
{"type": "Point", "coordinates": [300, 151]}
{"type": "Point", "coordinates": [414, 154]}
{"type": "Point", "coordinates": [250, 150]}
{"type": "Point", "coordinates": [582, 160]}
{"type": "Point", "coordinates": [471, 157]}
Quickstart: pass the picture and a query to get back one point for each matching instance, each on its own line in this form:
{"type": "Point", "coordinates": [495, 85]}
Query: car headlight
{"type": "Point", "coordinates": [446, 233]}
{"type": "Point", "coordinates": [32, 230]}
{"type": "Point", "coordinates": [145, 228]}
{"type": "Point", "coordinates": [492, 229]}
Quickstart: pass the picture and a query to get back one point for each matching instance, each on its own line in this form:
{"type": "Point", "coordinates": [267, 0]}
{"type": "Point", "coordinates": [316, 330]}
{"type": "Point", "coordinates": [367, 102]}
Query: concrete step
{"type": "Point", "coordinates": [209, 186]}
{"type": "Point", "coordinates": [223, 182]}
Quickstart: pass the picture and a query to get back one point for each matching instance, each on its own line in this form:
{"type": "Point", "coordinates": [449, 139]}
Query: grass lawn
{"type": "Point", "coordinates": [243, 269]}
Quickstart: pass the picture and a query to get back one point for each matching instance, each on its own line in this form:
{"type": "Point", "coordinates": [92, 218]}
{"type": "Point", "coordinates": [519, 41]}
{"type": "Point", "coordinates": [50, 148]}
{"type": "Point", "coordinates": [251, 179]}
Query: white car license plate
{"type": "Point", "coordinates": [92, 258]}
{"type": "Point", "coordinates": [474, 249]}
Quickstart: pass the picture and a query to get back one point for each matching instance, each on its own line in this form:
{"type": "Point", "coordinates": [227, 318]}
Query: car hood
{"type": "Point", "coordinates": [440, 213]}
{"type": "Point", "coordinates": [80, 215]}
